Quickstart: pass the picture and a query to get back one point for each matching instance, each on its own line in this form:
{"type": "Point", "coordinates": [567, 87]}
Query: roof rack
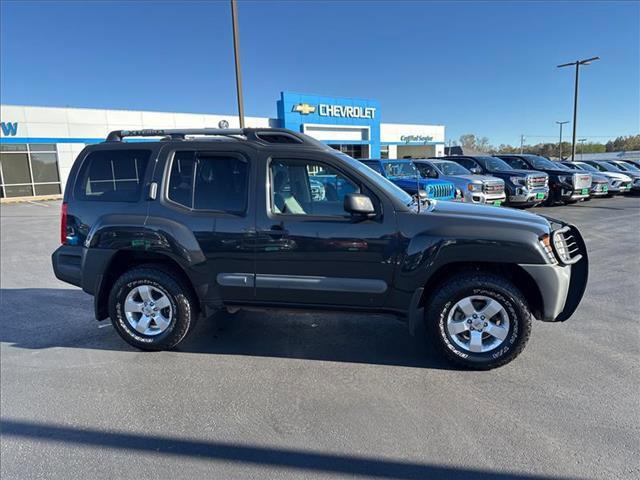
{"type": "Point", "coordinates": [173, 134]}
{"type": "Point", "coordinates": [261, 135]}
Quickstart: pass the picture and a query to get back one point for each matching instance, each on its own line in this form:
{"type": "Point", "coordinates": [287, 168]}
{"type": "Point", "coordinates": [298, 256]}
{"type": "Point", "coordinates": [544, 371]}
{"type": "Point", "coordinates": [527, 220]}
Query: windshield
{"type": "Point", "coordinates": [611, 167]}
{"type": "Point", "coordinates": [376, 178]}
{"type": "Point", "coordinates": [495, 164]}
{"type": "Point", "coordinates": [571, 167]}
{"type": "Point", "coordinates": [451, 168]}
{"type": "Point", "coordinates": [562, 166]}
{"type": "Point", "coordinates": [399, 169]}
{"type": "Point", "coordinates": [627, 167]}
{"type": "Point", "coordinates": [586, 166]}
{"type": "Point", "coordinates": [542, 163]}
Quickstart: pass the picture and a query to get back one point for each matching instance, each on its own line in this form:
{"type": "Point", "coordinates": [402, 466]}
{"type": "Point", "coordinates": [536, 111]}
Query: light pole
{"type": "Point", "coordinates": [560, 144]}
{"type": "Point", "coordinates": [577, 63]}
{"type": "Point", "coordinates": [521, 143]}
{"type": "Point", "coordinates": [582, 140]}
{"type": "Point", "coordinates": [236, 54]}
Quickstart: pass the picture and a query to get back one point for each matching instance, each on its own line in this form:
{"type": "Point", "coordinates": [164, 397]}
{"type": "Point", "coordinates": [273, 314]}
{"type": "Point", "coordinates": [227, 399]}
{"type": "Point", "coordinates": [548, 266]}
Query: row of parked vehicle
{"type": "Point", "coordinates": [517, 180]}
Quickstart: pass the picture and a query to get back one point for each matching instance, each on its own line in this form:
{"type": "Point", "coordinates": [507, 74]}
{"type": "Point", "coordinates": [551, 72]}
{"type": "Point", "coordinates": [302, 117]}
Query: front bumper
{"type": "Point", "coordinates": [561, 286]}
{"type": "Point", "coordinates": [523, 195]}
{"type": "Point", "coordinates": [600, 190]}
{"type": "Point", "coordinates": [623, 188]}
{"type": "Point", "coordinates": [484, 198]}
{"type": "Point", "coordinates": [571, 194]}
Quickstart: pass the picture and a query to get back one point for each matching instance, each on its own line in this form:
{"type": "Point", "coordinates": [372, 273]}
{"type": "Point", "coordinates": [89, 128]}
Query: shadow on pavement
{"type": "Point", "coordinates": [305, 461]}
{"type": "Point", "coordinates": [39, 318]}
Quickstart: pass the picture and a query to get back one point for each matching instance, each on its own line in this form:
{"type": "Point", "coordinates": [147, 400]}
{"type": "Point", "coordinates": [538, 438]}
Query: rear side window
{"type": "Point", "coordinates": [516, 163]}
{"type": "Point", "coordinates": [112, 175]}
{"type": "Point", "coordinates": [203, 181]}
{"type": "Point", "coordinates": [466, 162]}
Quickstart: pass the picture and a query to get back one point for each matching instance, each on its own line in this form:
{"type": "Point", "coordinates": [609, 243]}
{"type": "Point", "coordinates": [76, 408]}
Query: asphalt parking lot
{"type": "Point", "coordinates": [315, 396]}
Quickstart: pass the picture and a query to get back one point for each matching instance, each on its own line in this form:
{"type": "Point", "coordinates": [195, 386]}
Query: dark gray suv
{"type": "Point", "coordinates": [163, 232]}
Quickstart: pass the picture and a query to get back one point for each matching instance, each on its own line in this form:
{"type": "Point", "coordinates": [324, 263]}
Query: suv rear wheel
{"type": "Point", "coordinates": [151, 309]}
{"type": "Point", "coordinates": [478, 321]}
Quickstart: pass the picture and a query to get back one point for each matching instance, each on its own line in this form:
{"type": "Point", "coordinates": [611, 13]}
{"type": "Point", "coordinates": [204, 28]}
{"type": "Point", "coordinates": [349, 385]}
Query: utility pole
{"type": "Point", "coordinates": [582, 140]}
{"type": "Point", "coordinates": [577, 63]}
{"type": "Point", "coordinates": [560, 144]}
{"type": "Point", "coordinates": [236, 54]}
{"type": "Point", "coordinates": [521, 144]}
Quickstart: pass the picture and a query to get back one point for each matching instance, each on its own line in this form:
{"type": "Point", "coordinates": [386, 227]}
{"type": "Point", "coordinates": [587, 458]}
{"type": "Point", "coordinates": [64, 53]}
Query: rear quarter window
{"type": "Point", "coordinates": [204, 181]}
{"type": "Point", "coordinates": [112, 175]}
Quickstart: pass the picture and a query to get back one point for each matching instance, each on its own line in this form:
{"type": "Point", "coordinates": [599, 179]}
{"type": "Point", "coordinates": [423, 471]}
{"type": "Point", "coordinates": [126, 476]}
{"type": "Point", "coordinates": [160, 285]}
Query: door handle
{"type": "Point", "coordinates": [277, 231]}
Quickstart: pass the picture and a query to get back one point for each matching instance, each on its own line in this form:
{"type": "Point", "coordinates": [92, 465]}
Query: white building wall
{"type": "Point", "coordinates": [397, 132]}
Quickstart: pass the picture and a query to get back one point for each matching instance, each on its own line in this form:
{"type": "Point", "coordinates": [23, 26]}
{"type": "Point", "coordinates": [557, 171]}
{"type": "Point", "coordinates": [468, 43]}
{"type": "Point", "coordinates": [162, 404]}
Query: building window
{"type": "Point", "coordinates": [28, 170]}
{"type": "Point", "coordinates": [353, 150]}
{"type": "Point", "coordinates": [384, 151]}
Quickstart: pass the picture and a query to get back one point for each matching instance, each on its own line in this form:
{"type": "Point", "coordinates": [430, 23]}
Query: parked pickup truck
{"type": "Point", "coordinates": [599, 182]}
{"type": "Point", "coordinates": [191, 222]}
{"type": "Point", "coordinates": [474, 188]}
{"type": "Point", "coordinates": [524, 188]}
{"type": "Point", "coordinates": [404, 174]}
{"type": "Point", "coordinates": [565, 185]}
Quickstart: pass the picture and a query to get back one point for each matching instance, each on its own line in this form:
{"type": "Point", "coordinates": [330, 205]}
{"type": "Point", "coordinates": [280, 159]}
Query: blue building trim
{"type": "Point", "coordinates": [87, 141]}
{"type": "Point", "coordinates": [49, 140]}
{"type": "Point", "coordinates": [416, 144]}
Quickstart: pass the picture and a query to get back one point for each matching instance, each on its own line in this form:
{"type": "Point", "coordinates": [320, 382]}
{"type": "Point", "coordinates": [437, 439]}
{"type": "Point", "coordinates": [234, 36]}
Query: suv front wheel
{"type": "Point", "coordinates": [151, 309]}
{"type": "Point", "coordinates": [478, 320]}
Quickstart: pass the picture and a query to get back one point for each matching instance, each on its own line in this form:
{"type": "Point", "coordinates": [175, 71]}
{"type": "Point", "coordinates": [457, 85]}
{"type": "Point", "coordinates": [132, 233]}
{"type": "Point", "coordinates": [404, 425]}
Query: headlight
{"type": "Point", "coordinates": [637, 181]}
{"type": "Point", "coordinates": [545, 242]}
{"type": "Point", "coordinates": [517, 180]}
{"type": "Point", "coordinates": [475, 187]}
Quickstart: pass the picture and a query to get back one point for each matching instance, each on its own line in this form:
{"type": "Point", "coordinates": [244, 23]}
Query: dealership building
{"type": "Point", "coordinates": [39, 144]}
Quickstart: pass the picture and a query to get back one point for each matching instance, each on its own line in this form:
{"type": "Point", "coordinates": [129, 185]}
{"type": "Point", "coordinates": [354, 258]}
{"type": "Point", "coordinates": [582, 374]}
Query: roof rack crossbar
{"type": "Point", "coordinates": [119, 135]}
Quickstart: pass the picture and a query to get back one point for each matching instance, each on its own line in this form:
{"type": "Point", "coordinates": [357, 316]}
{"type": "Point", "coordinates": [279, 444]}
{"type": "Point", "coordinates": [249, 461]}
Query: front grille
{"type": "Point", "coordinates": [494, 187]}
{"type": "Point", "coordinates": [581, 181]}
{"type": "Point", "coordinates": [537, 181]}
{"type": "Point", "coordinates": [566, 246]}
{"type": "Point", "coordinates": [440, 191]}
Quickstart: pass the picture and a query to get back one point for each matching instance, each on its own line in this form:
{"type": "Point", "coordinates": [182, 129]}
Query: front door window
{"type": "Point", "coordinates": [308, 188]}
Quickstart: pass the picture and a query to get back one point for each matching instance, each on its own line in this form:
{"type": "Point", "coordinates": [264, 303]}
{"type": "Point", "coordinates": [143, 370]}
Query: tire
{"type": "Point", "coordinates": [179, 316]}
{"type": "Point", "coordinates": [443, 315]}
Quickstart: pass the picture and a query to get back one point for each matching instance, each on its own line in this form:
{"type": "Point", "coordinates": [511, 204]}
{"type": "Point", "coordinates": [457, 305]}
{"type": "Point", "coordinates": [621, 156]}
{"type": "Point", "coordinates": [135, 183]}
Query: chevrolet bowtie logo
{"type": "Point", "coordinates": [304, 108]}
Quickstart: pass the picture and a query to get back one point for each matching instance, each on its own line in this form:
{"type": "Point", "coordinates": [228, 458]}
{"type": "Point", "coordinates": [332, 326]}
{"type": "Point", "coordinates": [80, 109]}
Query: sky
{"type": "Point", "coordinates": [487, 68]}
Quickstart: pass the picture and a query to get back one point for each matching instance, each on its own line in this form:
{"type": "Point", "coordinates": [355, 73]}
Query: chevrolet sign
{"type": "Point", "coordinates": [346, 111]}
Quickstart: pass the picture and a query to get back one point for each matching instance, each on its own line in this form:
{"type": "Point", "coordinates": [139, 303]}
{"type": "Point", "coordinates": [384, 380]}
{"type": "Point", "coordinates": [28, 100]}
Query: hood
{"type": "Point", "coordinates": [564, 172]}
{"type": "Point", "coordinates": [410, 183]}
{"type": "Point", "coordinates": [617, 176]}
{"type": "Point", "coordinates": [482, 213]}
{"type": "Point", "coordinates": [519, 172]}
{"type": "Point", "coordinates": [475, 178]}
{"type": "Point", "coordinates": [598, 177]}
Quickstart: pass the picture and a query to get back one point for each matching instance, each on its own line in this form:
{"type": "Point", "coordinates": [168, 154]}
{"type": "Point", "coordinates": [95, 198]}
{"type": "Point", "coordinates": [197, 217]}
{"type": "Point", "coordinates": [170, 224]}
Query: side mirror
{"type": "Point", "coordinates": [359, 204]}
{"type": "Point", "coordinates": [423, 195]}
{"type": "Point", "coordinates": [475, 170]}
